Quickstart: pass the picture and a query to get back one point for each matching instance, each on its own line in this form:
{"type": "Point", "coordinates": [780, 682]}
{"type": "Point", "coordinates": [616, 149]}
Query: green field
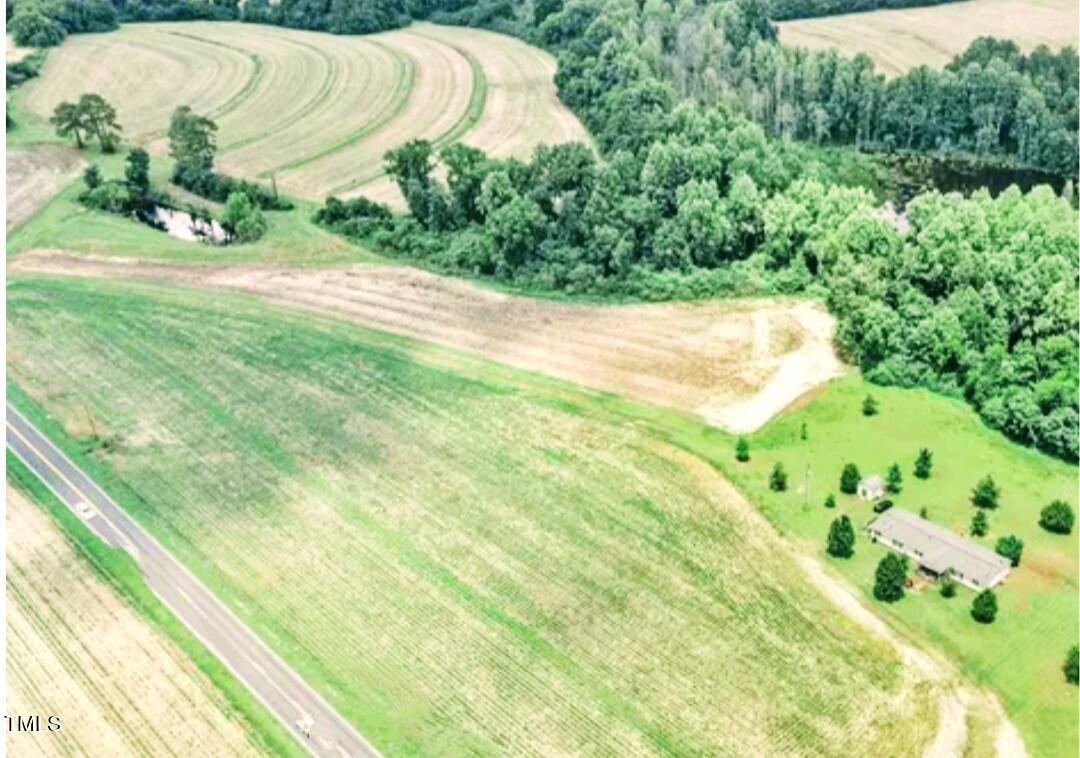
{"type": "Point", "coordinates": [461, 556]}
{"type": "Point", "coordinates": [1020, 655]}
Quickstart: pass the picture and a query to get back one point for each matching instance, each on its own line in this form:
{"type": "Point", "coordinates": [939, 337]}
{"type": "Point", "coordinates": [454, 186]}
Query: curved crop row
{"type": "Point", "coordinates": [316, 111]}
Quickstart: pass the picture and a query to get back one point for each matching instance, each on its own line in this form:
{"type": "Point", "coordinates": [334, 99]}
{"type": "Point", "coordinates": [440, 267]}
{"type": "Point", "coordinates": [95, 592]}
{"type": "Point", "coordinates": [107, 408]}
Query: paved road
{"type": "Point", "coordinates": [284, 693]}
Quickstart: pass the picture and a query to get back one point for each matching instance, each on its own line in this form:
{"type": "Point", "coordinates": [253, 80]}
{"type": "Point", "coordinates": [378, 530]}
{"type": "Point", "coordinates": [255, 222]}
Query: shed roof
{"type": "Point", "coordinates": [874, 480]}
{"type": "Point", "coordinates": [939, 549]}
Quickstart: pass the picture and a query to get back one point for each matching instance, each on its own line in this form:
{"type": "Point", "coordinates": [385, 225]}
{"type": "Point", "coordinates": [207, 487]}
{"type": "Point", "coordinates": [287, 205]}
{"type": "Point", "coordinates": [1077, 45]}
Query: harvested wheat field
{"type": "Point", "coordinates": [463, 558]}
{"type": "Point", "coordinates": [898, 40]}
{"type": "Point", "coordinates": [735, 363]}
{"type": "Point", "coordinates": [34, 175]}
{"type": "Point", "coordinates": [75, 649]}
{"type": "Point", "coordinates": [317, 112]}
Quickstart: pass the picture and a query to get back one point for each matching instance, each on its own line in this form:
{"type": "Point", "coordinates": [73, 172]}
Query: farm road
{"type": "Point", "coordinates": [279, 688]}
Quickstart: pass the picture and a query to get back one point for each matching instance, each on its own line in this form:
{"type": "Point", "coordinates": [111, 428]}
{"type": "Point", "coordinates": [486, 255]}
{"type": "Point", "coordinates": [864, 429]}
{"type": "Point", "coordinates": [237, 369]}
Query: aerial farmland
{"type": "Point", "coordinates": [492, 379]}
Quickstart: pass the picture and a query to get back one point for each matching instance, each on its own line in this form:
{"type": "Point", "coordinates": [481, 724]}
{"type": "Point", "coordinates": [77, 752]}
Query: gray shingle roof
{"type": "Point", "coordinates": [937, 548]}
{"type": "Point", "coordinates": [873, 481]}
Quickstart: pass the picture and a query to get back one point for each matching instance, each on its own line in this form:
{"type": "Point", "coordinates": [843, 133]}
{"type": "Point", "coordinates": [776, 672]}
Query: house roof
{"type": "Point", "coordinates": [937, 548]}
{"type": "Point", "coordinates": [874, 480]}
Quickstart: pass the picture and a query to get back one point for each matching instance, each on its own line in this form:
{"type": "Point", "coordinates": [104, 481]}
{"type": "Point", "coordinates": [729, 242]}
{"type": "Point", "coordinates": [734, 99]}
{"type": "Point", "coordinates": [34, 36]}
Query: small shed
{"type": "Point", "coordinates": [938, 550]}
{"type": "Point", "coordinates": [872, 487]}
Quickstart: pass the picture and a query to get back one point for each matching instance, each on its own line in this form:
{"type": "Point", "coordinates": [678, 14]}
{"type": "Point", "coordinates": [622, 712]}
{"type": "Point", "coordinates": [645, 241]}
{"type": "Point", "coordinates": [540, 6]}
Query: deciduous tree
{"type": "Point", "coordinates": [1057, 517]}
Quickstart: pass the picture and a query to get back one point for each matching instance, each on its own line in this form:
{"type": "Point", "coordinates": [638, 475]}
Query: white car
{"type": "Point", "coordinates": [83, 509]}
{"type": "Point", "coordinates": [304, 724]}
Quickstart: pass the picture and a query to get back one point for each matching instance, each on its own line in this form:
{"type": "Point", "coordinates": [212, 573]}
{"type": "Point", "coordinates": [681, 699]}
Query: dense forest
{"type": "Point", "coordinates": [978, 298]}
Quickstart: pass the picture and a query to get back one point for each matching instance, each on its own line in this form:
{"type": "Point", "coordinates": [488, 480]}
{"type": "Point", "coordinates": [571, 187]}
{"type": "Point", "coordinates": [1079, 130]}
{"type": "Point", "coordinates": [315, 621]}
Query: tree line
{"type": "Point", "coordinates": [45, 23]}
{"type": "Point", "coordinates": [976, 299]}
{"type": "Point", "coordinates": [785, 10]}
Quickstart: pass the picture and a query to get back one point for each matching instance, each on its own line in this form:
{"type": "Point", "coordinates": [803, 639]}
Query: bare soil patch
{"type": "Point", "coordinates": [36, 174]}
{"type": "Point", "coordinates": [736, 363]}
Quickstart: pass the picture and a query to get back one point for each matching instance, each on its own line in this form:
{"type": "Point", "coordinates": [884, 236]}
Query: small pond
{"type": "Point", "coordinates": [185, 226]}
{"type": "Point", "coordinates": [919, 173]}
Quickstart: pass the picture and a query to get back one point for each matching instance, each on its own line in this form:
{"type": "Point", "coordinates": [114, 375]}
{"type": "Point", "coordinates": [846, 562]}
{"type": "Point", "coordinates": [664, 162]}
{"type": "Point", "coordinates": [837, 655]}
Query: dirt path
{"type": "Point", "coordinates": [736, 363]}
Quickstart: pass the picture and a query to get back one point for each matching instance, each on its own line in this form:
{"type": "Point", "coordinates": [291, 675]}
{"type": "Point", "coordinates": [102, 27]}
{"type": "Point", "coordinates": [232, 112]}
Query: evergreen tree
{"type": "Point", "coordinates": [830, 500]}
{"type": "Point", "coordinates": [894, 480]}
{"type": "Point", "coordinates": [849, 479]}
{"type": "Point", "coordinates": [986, 493]}
{"type": "Point", "coordinates": [778, 478]}
{"type": "Point", "coordinates": [890, 577]}
{"type": "Point", "coordinates": [1057, 517]}
{"type": "Point", "coordinates": [742, 450]}
{"type": "Point", "coordinates": [1010, 547]}
{"type": "Point", "coordinates": [137, 171]}
{"type": "Point", "coordinates": [803, 434]}
{"type": "Point", "coordinates": [1072, 665]}
{"type": "Point", "coordinates": [980, 524]}
{"type": "Point", "coordinates": [984, 607]}
{"type": "Point", "coordinates": [924, 463]}
{"type": "Point", "coordinates": [841, 541]}
{"type": "Point", "coordinates": [869, 406]}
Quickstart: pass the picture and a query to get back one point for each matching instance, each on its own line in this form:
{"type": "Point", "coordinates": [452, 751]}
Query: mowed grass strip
{"type": "Point", "coordinates": [899, 40]}
{"type": "Point", "coordinates": [77, 650]}
{"type": "Point", "coordinates": [1021, 654]}
{"type": "Point", "coordinates": [462, 557]}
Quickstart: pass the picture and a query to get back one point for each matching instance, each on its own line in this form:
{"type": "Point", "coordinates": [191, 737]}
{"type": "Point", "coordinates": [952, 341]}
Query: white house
{"type": "Point", "coordinates": [938, 550]}
{"type": "Point", "coordinates": [872, 487]}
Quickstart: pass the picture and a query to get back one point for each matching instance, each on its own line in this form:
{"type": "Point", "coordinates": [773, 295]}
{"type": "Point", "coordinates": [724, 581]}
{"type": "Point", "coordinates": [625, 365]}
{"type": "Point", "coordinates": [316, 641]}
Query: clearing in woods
{"type": "Point", "coordinates": [315, 111]}
{"type": "Point", "coordinates": [76, 649]}
{"type": "Point", "coordinates": [386, 514]}
{"type": "Point", "coordinates": [735, 363]}
{"type": "Point", "coordinates": [899, 40]}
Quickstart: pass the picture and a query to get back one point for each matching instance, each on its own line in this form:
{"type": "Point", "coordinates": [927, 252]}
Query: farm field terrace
{"type": "Point", "coordinates": [1021, 654]}
{"type": "Point", "coordinates": [361, 96]}
{"type": "Point", "coordinates": [459, 555]}
{"type": "Point", "coordinates": [899, 40]}
{"type": "Point", "coordinates": [76, 649]}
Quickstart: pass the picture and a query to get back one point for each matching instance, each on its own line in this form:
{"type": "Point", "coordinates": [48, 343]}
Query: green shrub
{"type": "Point", "coordinates": [984, 607]}
{"type": "Point", "coordinates": [1057, 517]}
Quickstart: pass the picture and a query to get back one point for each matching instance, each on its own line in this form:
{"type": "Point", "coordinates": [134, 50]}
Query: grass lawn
{"type": "Point", "coordinates": [462, 557]}
{"type": "Point", "coordinates": [1021, 653]}
{"type": "Point", "coordinates": [65, 223]}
